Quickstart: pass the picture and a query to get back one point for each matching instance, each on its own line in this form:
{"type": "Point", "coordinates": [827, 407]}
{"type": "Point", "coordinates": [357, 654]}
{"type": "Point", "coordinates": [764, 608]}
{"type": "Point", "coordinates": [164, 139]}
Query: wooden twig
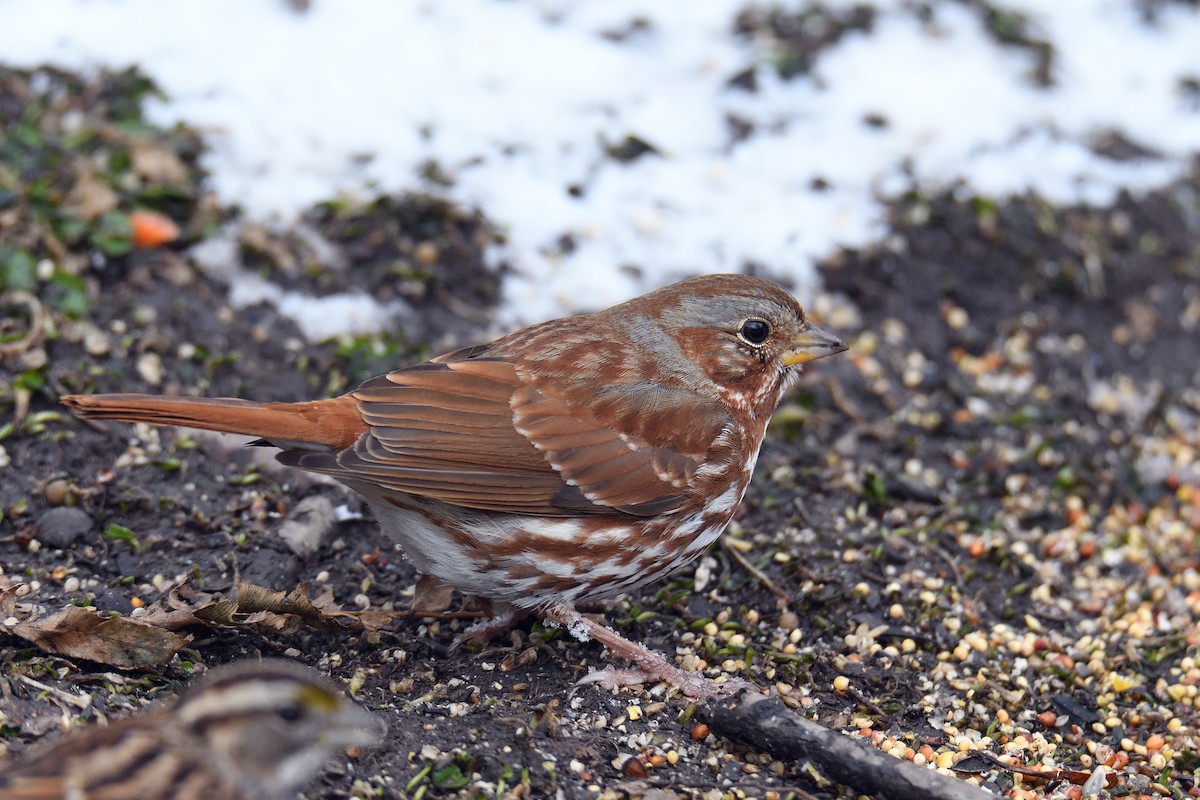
{"type": "Point", "coordinates": [766, 724]}
{"type": "Point", "coordinates": [79, 701]}
{"type": "Point", "coordinates": [756, 573]}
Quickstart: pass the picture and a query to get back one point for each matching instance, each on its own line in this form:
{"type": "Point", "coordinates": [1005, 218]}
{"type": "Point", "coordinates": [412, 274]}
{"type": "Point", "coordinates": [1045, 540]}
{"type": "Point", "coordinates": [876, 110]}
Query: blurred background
{"type": "Point", "coordinates": [616, 146]}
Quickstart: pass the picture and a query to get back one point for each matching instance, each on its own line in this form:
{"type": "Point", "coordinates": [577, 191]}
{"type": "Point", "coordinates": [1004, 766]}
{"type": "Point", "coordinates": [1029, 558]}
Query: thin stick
{"type": "Point", "coordinates": [766, 724]}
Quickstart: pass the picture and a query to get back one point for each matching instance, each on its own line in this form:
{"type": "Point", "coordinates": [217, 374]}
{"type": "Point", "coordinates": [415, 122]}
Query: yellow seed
{"type": "Point", "coordinates": [1122, 683]}
{"type": "Point", "coordinates": [841, 683]}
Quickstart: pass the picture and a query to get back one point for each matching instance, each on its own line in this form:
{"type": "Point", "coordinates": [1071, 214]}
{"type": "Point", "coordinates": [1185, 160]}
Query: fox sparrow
{"type": "Point", "coordinates": [564, 463]}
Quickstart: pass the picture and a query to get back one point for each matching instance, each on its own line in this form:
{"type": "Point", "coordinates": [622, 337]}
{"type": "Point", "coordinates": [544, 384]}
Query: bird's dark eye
{"type": "Point", "coordinates": [291, 713]}
{"type": "Point", "coordinates": [754, 331]}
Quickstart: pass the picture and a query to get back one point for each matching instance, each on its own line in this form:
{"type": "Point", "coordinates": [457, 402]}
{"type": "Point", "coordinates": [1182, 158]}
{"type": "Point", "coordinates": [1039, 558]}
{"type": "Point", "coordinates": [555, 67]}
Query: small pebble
{"type": "Point", "coordinates": [426, 253]}
{"type": "Point", "coordinates": [150, 368]}
{"type": "Point", "coordinates": [57, 492]}
{"type": "Point", "coordinates": [63, 526]}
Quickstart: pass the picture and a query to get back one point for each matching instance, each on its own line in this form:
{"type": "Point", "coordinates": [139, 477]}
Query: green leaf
{"type": "Point", "coordinates": [449, 777]}
{"type": "Point", "coordinates": [123, 534]}
{"type": "Point", "coordinates": [19, 270]}
{"type": "Point", "coordinates": [70, 228]}
{"type": "Point", "coordinates": [113, 234]}
{"type": "Point", "coordinates": [31, 380]}
{"type": "Point", "coordinates": [1066, 479]}
{"type": "Point", "coordinates": [127, 92]}
{"type": "Point", "coordinates": [873, 488]}
{"type": "Point", "coordinates": [245, 479]}
{"type": "Point", "coordinates": [68, 293]}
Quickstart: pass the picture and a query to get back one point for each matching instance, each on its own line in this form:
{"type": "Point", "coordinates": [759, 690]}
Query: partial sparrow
{"type": "Point", "coordinates": [566, 462]}
{"type": "Point", "coordinates": [251, 730]}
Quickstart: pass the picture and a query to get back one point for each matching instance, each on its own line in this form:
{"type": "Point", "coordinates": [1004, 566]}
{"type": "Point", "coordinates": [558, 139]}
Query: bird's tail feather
{"type": "Point", "coordinates": [332, 423]}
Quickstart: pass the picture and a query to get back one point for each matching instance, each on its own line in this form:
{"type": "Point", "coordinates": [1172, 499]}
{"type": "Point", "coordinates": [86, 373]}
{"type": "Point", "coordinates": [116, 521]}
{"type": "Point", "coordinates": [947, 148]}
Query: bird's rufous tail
{"type": "Point", "coordinates": [334, 423]}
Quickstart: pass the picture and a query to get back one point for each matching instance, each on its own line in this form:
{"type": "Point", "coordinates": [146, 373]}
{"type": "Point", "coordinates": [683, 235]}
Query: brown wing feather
{"type": "Point", "coordinates": [470, 432]}
{"type": "Point", "coordinates": [608, 469]}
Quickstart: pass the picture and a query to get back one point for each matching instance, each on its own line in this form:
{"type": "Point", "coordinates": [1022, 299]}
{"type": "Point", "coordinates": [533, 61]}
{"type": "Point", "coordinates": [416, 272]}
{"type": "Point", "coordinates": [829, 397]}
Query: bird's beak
{"type": "Point", "coordinates": [353, 726]}
{"type": "Point", "coordinates": [811, 344]}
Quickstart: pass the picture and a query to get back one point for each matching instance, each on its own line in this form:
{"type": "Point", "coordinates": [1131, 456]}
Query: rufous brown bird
{"type": "Point", "coordinates": [247, 731]}
{"type": "Point", "coordinates": [564, 463]}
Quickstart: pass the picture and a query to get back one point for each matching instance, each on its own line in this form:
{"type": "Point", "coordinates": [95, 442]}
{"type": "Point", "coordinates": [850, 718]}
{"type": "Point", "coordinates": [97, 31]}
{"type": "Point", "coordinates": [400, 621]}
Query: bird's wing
{"type": "Point", "coordinates": [467, 430]}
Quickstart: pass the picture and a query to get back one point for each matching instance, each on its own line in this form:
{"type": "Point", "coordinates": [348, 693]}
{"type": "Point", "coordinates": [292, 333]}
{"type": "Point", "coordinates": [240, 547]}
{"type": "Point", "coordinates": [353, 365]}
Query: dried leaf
{"type": "Point", "coordinates": [90, 197]}
{"type": "Point", "coordinates": [222, 612]}
{"type": "Point", "coordinates": [431, 595]}
{"type": "Point", "coordinates": [8, 601]}
{"type": "Point", "coordinates": [370, 620]}
{"type": "Point", "coordinates": [323, 599]}
{"type": "Point", "coordinates": [117, 641]}
{"type": "Point", "coordinates": [156, 163]}
{"type": "Point", "coordinates": [187, 607]}
{"type": "Point", "coordinates": [252, 598]}
{"type": "Point", "coordinates": [180, 609]}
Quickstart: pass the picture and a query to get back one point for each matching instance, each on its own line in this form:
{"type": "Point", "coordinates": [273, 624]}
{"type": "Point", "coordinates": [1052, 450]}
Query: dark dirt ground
{"type": "Point", "coordinates": [980, 528]}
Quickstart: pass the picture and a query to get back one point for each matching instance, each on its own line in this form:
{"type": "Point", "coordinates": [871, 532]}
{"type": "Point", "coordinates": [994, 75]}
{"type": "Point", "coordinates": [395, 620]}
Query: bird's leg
{"type": "Point", "coordinates": [650, 665]}
{"type": "Point", "coordinates": [503, 619]}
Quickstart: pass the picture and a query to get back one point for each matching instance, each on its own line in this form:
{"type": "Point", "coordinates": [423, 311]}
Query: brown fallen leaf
{"type": "Point", "coordinates": [187, 607]}
{"type": "Point", "coordinates": [90, 197]}
{"type": "Point", "coordinates": [369, 620]}
{"type": "Point", "coordinates": [116, 641]}
{"type": "Point", "coordinates": [252, 599]}
{"type": "Point", "coordinates": [155, 163]}
{"type": "Point", "coordinates": [431, 595]}
{"type": "Point", "coordinates": [8, 601]}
